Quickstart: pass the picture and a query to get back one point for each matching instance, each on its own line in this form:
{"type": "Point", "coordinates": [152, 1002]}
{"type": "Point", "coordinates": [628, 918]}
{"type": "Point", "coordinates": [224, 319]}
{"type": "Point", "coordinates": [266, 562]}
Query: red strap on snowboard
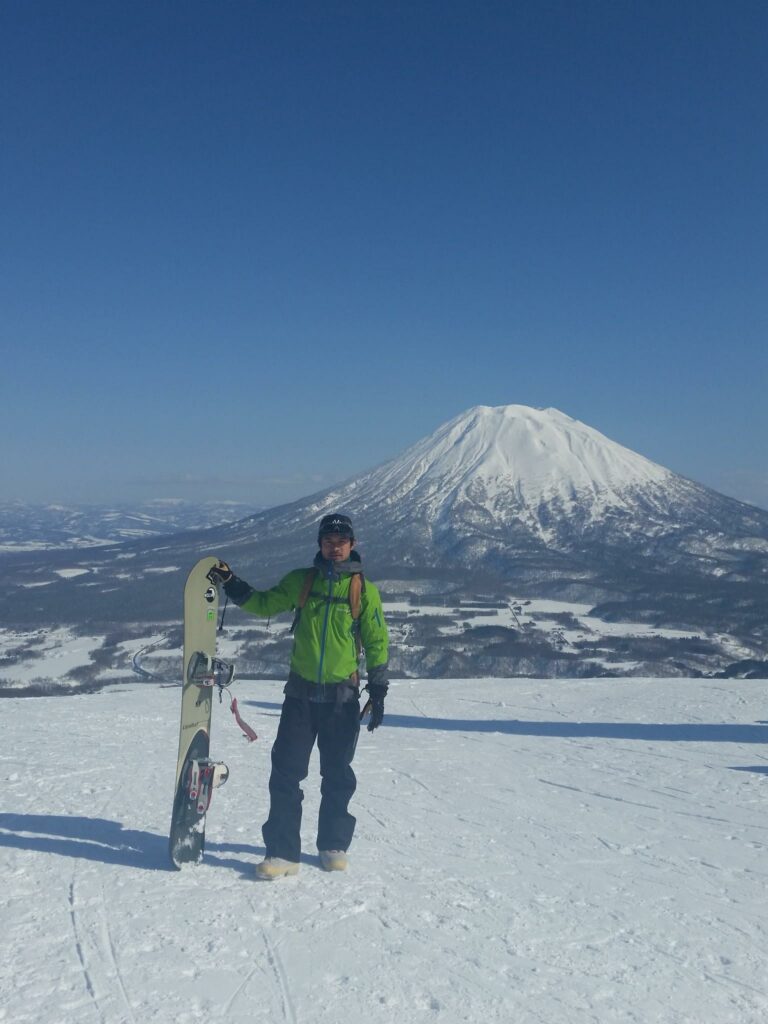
{"type": "Point", "coordinates": [250, 735]}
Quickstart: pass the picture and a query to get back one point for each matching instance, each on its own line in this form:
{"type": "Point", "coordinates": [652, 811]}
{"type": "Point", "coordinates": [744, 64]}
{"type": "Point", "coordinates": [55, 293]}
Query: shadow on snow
{"type": "Point", "coordinates": [671, 732]}
{"type": "Point", "coordinates": [668, 732]}
{"type": "Point", "coordinates": [107, 841]}
{"type": "Point", "coordinates": [100, 839]}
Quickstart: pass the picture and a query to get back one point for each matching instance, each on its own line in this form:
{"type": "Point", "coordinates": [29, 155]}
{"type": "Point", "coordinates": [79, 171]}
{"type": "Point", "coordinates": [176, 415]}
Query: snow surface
{"type": "Point", "coordinates": [527, 851]}
{"type": "Point", "coordinates": [48, 654]}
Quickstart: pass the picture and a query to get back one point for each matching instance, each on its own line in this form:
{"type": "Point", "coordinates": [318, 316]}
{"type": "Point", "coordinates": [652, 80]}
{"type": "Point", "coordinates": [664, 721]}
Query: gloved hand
{"type": "Point", "coordinates": [377, 693]}
{"type": "Point", "coordinates": [237, 590]}
{"type": "Point", "coordinates": [220, 574]}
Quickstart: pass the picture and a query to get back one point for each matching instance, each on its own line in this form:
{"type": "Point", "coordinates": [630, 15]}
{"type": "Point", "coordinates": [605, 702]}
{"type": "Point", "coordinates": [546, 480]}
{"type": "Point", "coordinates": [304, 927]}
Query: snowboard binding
{"type": "Point", "coordinates": [205, 776]}
{"type": "Point", "coordinates": [205, 671]}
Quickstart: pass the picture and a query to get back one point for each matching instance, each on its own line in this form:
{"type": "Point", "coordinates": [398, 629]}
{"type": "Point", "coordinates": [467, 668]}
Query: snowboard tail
{"type": "Point", "coordinates": [187, 838]}
{"type": "Point", "coordinates": [199, 778]}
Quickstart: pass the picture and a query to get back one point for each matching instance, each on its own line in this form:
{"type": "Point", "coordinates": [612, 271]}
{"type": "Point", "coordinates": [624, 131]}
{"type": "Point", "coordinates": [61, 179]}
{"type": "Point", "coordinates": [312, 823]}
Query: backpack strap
{"type": "Point", "coordinates": [356, 591]}
{"type": "Point", "coordinates": [309, 581]}
{"type": "Point", "coordinates": [355, 597]}
{"type": "Point", "coordinates": [306, 589]}
{"type": "Point", "coordinates": [356, 587]}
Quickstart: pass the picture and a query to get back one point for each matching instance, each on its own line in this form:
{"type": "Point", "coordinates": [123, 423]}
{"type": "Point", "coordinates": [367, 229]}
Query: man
{"type": "Point", "coordinates": [337, 613]}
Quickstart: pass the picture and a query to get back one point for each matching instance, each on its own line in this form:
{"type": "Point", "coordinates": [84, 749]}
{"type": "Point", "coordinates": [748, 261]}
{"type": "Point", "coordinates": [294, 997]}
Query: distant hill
{"type": "Point", "coordinates": [46, 527]}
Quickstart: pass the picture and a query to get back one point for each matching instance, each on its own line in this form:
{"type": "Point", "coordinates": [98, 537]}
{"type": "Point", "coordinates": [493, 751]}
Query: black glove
{"type": "Point", "coordinates": [237, 590]}
{"type": "Point", "coordinates": [377, 692]}
{"type": "Point", "coordinates": [220, 574]}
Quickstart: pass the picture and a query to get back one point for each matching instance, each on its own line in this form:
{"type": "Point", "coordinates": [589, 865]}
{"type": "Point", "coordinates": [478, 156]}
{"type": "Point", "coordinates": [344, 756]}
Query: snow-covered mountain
{"type": "Point", "coordinates": [511, 503]}
{"type": "Point", "coordinates": [495, 488]}
{"type": "Point", "coordinates": [514, 465]}
{"type": "Point", "coordinates": [535, 472]}
{"type": "Point", "coordinates": [542, 474]}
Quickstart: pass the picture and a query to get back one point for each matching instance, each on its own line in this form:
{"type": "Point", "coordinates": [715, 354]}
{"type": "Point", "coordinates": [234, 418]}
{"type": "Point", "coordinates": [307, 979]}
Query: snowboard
{"type": "Point", "coordinates": [196, 775]}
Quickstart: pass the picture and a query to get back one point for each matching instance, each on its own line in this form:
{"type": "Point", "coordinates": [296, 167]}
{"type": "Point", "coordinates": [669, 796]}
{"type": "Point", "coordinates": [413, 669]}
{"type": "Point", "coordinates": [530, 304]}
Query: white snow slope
{"type": "Point", "coordinates": [514, 456]}
{"type": "Point", "coordinates": [527, 851]}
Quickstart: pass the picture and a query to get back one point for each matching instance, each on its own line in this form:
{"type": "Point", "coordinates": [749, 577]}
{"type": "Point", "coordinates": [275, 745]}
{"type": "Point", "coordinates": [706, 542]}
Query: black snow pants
{"type": "Point", "coordinates": [336, 727]}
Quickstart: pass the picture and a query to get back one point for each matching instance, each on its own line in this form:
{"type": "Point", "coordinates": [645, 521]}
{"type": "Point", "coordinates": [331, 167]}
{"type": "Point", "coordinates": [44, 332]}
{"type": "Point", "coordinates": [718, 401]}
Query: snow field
{"type": "Point", "coordinates": [48, 654]}
{"type": "Point", "coordinates": [52, 654]}
{"type": "Point", "coordinates": [530, 851]}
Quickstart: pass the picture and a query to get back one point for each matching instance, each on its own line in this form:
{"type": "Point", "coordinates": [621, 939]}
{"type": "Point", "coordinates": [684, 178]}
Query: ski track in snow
{"type": "Point", "coordinates": [559, 851]}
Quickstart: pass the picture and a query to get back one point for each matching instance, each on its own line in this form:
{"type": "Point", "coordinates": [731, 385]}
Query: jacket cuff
{"type": "Point", "coordinates": [237, 590]}
{"type": "Point", "coordinates": [379, 676]}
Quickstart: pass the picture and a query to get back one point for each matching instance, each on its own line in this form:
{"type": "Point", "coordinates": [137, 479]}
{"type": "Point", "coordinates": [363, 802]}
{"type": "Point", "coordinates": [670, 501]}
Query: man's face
{"type": "Point", "coordinates": [335, 548]}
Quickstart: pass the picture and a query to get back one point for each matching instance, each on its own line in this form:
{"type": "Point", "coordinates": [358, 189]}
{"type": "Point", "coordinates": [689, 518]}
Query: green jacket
{"type": "Point", "coordinates": [324, 649]}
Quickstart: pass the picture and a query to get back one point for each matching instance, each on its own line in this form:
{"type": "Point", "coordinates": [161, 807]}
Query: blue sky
{"type": "Point", "coordinates": [250, 249]}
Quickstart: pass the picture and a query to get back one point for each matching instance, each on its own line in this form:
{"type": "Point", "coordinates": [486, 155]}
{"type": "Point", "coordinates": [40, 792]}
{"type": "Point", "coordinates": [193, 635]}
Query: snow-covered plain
{"type": "Point", "coordinates": [49, 654]}
{"type": "Point", "coordinates": [55, 657]}
{"type": "Point", "coordinates": [527, 851]}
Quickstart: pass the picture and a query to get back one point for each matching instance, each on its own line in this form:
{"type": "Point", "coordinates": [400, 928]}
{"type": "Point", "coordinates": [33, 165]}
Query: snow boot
{"type": "Point", "coordinates": [333, 860]}
{"type": "Point", "coordinates": [276, 867]}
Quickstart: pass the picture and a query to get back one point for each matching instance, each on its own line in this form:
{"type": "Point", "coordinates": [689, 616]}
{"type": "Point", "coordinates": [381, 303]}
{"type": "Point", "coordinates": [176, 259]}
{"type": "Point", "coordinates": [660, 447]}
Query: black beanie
{"type": "Point", "coordinates": [335, 523]}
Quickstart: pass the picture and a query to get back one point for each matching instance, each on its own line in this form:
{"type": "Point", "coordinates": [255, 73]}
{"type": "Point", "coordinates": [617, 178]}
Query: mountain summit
{"type": "Point", "coordinates": [540, 454]}
{"type": "Point", "coordinates": [516, 465]}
